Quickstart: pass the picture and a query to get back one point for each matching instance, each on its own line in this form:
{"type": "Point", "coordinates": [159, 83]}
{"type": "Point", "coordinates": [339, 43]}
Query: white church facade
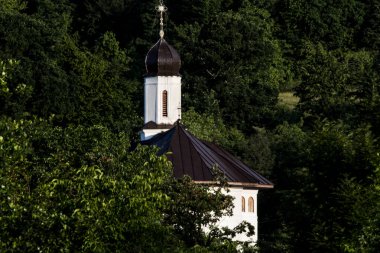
{"type": "Point", "coordinates": [188, 154]}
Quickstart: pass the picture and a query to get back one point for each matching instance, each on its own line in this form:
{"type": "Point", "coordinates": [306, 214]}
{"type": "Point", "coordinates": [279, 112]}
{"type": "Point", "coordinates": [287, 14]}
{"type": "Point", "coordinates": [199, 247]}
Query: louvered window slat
{"type": "Point", "coordinates": [164, 103]}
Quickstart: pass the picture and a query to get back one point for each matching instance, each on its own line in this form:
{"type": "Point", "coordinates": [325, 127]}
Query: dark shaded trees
{"type": "Point", "coordinates": [359, 224]}
{"type": "Point", "coordinates": [336, 24]}
{"type": "Point", "coordinates": [337, 84]}
{"type": "Point", "coordinates": [231, 53]}
{"type": "Point", "coordinates": [59, 75]}
{"type": "Point", "coordinates": [80, 64]}
{"type": "Point", "coordinates": [309, 170]}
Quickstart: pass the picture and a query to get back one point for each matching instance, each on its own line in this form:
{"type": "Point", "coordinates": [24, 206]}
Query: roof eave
{"type": "Point", "coordinates": [239, 184]}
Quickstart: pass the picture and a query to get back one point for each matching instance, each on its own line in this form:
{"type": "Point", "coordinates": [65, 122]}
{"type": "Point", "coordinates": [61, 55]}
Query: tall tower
{"type": "Point", "coordinates": [162, 86]}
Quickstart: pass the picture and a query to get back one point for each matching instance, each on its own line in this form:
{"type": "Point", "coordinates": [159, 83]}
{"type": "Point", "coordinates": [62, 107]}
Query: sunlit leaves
{"type": "Point", "coordinates": [78, 189]}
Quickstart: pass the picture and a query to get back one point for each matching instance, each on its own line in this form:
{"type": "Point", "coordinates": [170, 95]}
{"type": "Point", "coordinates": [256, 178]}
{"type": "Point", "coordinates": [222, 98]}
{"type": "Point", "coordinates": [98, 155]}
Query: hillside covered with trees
{"type": "Point", "coordinates": [71, 106]}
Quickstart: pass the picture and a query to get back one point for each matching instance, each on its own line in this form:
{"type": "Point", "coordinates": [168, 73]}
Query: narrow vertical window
{"type": "Point", "coordinates": [164, 103]}
{"type": "Point", "coordinates": [250, 205]}
{"type": "Point", "coordinates": [242, 204]}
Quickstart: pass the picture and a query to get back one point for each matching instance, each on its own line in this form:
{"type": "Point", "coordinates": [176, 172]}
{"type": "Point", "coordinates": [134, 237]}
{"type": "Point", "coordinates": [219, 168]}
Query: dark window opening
{"type": "Point", "coordinates": [164, 103]}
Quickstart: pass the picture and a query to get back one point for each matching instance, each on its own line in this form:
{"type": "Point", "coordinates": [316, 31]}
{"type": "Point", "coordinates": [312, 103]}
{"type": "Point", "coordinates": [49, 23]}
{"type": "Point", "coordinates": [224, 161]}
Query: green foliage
{"type": "Point", "coordinates": [243, 70]}
{"type": "Point", "coordinates": [370, 28]}
{"type": "Point", "coordinates": [77, 64]}
{"type": "Point", "coordinates": [335, 23]}
{"type": "Point", "coordinates": [12, 5]}
{"type": "Point", "coordinates": [254, 150]}
{"type": "Point", "coordinates": [13, 96]}
{"type": "Point", "coordinates": [194, 207]}
{"type": "Point", "coordinates": [309, 169]}
{"type": "Point", "coordinates": [102, 92]}
{"type": "Point", "coordinates": [78, 84]}
{"type": "Point", "coordinates": [338, 153]}
{"type": "Point", "coordinates": [78, 189]}
{"type": "Point", "coordinates": [359, 226]}
{"type": "Point", "coordinates": [291, 147]}
{"type": "Point", "coordinates": [195, 210]}
{"type": "Point", "coordinates": [338, 85]}
{"type": "Point", "coordinates": [210, 128]}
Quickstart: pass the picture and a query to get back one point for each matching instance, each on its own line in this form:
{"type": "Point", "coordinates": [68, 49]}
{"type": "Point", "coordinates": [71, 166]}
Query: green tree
{"type": "Point", "coordinates": [370, 28]}
{"type": "Point", "coordinates": [195, 210]}
{"type": "Point", "coordinates": [192, 209]}
{"type": "Point", "coordinates": [281, 227]}
{"type": "Point", "coordinates": [338, 85]}
{"type": "Point", "coordinates": [78, 84]}
{"type": "Point", "coordinates": [79, 189]}
{"type": "Point", "coordinates": [243, 70]}
{"type": "Point", "coordinates": [358, 229]}
{"type": "Point", "coordinates": [12, 5]}
{"type": "Point", "coordinates": [254, 150]}
{"type": "Point", "coordinates": [335, 24]}
{"type": "Point", "coordinates": [308, 171]}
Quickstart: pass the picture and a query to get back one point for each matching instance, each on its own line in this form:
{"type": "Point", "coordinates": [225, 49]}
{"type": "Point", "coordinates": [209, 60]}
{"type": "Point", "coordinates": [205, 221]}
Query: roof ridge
{"type": "Point", "coordinates": [241, 165]}
{"type": "Point", "coordinates": [208, 154]}
{"type": "Point", "coordinates": [195, 157]}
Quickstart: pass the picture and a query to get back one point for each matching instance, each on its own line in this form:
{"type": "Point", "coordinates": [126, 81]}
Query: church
{"type": "Point", "coordinates": [188, 154]}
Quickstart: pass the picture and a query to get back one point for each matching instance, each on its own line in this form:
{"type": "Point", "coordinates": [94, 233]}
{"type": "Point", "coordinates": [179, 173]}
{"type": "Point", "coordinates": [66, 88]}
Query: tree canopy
{"type": "Point", "coordinates": [71, 104]}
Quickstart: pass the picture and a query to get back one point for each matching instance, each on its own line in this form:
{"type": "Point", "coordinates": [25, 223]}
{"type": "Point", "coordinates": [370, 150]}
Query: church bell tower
{"type": "Point", "coordinates": [162, 86]}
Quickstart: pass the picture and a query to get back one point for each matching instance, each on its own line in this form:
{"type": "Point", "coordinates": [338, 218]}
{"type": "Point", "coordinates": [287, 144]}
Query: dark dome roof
{"type": "Point", "coordinates": [162, 60]}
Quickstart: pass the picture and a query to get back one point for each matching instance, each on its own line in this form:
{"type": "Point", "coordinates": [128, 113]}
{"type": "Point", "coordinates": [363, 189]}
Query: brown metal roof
{"type": "Point", "coordinates": [196, 158]}
{"type": "Point", "coordinates": [162, 60]}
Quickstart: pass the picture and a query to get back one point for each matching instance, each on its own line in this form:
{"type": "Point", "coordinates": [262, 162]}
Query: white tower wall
{"type": "Point", "coordinates": [239, 215]}
{"type": "Point", "coordinates": [154, 88]}
{"type": "Point", "coordinates": [153, 95]}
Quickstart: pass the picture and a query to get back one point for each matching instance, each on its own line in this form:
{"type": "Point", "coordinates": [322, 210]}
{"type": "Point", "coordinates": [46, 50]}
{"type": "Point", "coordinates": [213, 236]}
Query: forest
{"type": "Point", "coordinates": [290, 87]}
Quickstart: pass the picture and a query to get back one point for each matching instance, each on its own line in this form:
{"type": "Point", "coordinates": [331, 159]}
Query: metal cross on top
{"type": "Point", "coordinates": [161, 9]}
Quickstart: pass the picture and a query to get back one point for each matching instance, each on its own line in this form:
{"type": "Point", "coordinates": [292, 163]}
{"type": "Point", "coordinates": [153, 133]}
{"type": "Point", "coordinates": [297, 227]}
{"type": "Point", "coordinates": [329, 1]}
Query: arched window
{"type": "Point", "coordinates": [242, 204]}
{"type": "Point", "coordinates": [164, 103]}
{"type": "Point", "coordinates": [250, 205]}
